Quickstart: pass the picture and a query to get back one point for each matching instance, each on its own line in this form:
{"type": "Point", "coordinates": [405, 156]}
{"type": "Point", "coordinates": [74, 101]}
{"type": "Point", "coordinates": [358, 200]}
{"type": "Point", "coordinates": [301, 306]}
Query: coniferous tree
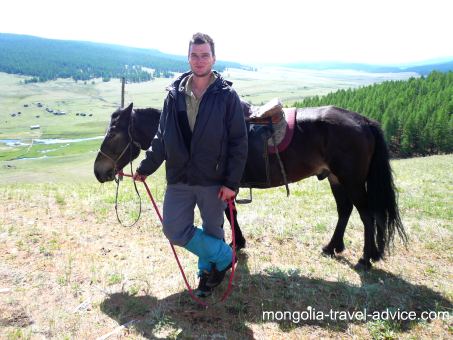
{"type": "Point", "coordinates": [416, 115]}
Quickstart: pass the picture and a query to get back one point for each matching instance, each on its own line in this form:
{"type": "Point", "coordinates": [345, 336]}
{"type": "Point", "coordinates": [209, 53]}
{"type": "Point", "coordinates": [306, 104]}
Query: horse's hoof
{"type": "Point", "coordinates": [363, 265]}
{"type": "Point", "coordinates": [328, 251]}
{"type": "Point", "coordinates": [239, 244]}
{"type": "Point", "coordinates": [340, 248]}
{"type": "Point", "coordinates": [376, 256]}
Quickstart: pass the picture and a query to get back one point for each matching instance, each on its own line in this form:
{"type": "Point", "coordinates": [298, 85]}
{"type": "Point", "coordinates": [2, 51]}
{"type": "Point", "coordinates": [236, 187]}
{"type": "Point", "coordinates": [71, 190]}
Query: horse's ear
{"type": "Point", "coordinates": [129, 108]}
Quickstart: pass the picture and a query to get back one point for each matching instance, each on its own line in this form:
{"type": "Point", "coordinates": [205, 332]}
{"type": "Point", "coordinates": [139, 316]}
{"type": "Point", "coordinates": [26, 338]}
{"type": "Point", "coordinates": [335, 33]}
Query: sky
{"type": "Point", "coordinates": [375, 32]}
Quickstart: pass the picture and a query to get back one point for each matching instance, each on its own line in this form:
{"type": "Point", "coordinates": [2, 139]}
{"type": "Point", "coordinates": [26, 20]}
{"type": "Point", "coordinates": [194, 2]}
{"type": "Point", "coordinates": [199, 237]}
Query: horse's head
{"type": "Point", "coordinates": [118, 147]}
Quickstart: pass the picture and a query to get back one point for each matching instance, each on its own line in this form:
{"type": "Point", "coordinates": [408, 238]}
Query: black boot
{"type": "Point", "coordinates": [216, 276]}
{"type": "Point", "coordinates": [203, 290]}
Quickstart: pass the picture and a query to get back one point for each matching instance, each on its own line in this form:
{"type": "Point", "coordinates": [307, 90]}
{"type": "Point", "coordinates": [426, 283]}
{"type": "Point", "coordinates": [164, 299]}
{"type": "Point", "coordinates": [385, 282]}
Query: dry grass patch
{"type": "Point", "coordinates": [69, 271]}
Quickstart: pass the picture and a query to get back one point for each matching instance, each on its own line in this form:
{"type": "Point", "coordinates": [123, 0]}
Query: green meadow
{"type": "Point", "coordinates": [97, 100]}
{"type": "Point", "coordinates": [68, 270]}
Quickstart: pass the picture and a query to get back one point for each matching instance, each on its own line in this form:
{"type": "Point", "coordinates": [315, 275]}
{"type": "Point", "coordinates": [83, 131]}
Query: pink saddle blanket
{"type": "Point", "coordinates": [287, 130]}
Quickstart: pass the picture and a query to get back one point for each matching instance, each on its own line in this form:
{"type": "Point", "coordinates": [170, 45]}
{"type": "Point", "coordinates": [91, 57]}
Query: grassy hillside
{"type": "Point", "coordinates": [101, 98]}
{"type": "Point", "coordinates": [97, 98]}
{"type": "Point", "coordinates": [66, 270]}
{"type": "Point", "coordinates": [416, 115]}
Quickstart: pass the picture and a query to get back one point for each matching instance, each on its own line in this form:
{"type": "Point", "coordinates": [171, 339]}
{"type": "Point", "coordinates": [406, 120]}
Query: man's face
{"type": "Point", "coordinates": [201, 59]}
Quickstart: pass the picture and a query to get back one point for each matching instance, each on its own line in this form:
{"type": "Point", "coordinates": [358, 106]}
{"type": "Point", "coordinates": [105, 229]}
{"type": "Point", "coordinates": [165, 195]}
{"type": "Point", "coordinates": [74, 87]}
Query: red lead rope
{"type": "Point", "coordinates": [233, 239]}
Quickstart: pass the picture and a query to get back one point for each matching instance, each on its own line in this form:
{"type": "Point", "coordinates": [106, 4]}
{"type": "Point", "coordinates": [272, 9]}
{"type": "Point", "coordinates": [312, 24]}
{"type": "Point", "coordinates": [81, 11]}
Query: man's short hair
{"type": "Point", "coordinates": [200, 39]}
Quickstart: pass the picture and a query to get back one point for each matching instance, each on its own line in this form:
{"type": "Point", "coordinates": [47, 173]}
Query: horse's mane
{"type": "Point", "coordinates": [147, 110]}
{"type": "Point", "coordinates": [146, 123]}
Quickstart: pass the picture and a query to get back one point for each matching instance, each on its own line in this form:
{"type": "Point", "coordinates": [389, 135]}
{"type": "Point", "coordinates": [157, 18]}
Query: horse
{"type": "Point", "coordinates": [345, 147]}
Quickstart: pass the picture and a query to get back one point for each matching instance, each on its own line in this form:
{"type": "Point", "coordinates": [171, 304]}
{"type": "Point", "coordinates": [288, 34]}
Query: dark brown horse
{"type": "Point", "coordinates": [329, 142]}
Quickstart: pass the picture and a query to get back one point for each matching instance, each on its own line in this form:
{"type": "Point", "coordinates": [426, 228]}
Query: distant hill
{"type": "Point", "coordinates": [427, 69]}
{"type": "Point", "coordinates": [423, 69]}
{"type": "Point", "coordinates": [48, 59]}
{"type": "Point", "coordinates": [344, 66]}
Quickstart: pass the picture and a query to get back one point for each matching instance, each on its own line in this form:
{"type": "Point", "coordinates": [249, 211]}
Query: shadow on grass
{"type": "Point", "coordinates": [274, 290]}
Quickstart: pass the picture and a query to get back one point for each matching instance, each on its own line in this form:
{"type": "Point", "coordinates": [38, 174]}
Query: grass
{"type": "Point", "coordinates": [292, 85]}
{"type": "Point", "coordinates": [61, 248]}
{"type": "Point", "coordinates": [70, 271]}
{"type": "Point", "coordinates": [102, 98]}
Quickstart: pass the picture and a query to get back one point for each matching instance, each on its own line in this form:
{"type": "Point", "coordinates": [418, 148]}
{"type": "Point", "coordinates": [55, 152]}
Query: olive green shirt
{"type": "Point", "coordinates": [192, 102]}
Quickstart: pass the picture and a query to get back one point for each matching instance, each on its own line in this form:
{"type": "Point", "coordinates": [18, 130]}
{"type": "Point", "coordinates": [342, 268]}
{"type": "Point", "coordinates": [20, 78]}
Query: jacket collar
{"type": "Point", "coordinates": [219, 84]}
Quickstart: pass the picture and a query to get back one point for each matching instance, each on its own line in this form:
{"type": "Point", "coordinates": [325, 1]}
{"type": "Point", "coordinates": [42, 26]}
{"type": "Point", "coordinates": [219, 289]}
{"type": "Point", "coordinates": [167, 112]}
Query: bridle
{"type": "Point", "coordinates": [118, 177]}
{"type": "Point", "coordinates": [128, 145]}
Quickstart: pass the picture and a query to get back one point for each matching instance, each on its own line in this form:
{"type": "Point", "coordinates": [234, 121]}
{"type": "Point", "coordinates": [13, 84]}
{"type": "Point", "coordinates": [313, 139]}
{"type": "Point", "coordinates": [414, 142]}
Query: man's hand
{"type": "Point", "coordinates": [226, 193]}
{"type": "Point", "coordinates": [139, 177]}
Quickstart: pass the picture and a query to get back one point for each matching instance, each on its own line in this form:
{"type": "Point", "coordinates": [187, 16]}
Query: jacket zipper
{"type": "Point", "coordinates": [219, 158]}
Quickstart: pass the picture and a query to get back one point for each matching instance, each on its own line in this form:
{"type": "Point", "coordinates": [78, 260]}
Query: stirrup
{"type": "Point", "coordinates": [245, 200]}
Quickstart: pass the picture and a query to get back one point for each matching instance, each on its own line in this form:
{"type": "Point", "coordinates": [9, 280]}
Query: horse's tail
{"type": "Point", "coordinates": [382, 196]}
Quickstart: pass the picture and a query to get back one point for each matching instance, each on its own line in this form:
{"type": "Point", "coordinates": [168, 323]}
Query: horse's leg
{"type": "Point", "coordinates": [360, 201]}
{"type": "Point", "coordinates": [344, 209]}
{"type": "Point", "coordinates": [239, 238]}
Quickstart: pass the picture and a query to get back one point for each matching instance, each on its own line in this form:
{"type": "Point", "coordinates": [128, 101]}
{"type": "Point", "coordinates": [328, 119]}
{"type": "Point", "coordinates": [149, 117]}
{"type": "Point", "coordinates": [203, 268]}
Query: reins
{"type": "Point", "coordinates": [120, 178]}
{"type": "Point", "coordinates": [119, 174]}
{"type": "Point", "coordinates": [233, 239]}
{"type": "Point", "coordinates": [117, 181]}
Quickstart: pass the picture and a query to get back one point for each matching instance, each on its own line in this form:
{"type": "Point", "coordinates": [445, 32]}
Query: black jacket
{"type": "Point", "coordinates": [215, 153]}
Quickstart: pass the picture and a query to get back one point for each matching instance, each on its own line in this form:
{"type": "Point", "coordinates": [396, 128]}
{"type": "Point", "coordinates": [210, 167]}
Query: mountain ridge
{"type": "Point", "coordinates": [47, 59]}
{"type": "Point", "coordinates": [420, 67]}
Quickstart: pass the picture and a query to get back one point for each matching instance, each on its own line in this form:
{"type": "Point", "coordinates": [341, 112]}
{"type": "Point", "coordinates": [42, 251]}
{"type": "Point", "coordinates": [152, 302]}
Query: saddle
{"type": "Point", "coordinates": [270, 130]}
{"type": "Point", "coordinates": [281, 121]}
{"type": "Point", "coordinates": [273, 111]}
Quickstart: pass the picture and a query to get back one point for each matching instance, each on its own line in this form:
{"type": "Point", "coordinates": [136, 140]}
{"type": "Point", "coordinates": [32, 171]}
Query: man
{"type": "Point", "coordinates": [202, 137]}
